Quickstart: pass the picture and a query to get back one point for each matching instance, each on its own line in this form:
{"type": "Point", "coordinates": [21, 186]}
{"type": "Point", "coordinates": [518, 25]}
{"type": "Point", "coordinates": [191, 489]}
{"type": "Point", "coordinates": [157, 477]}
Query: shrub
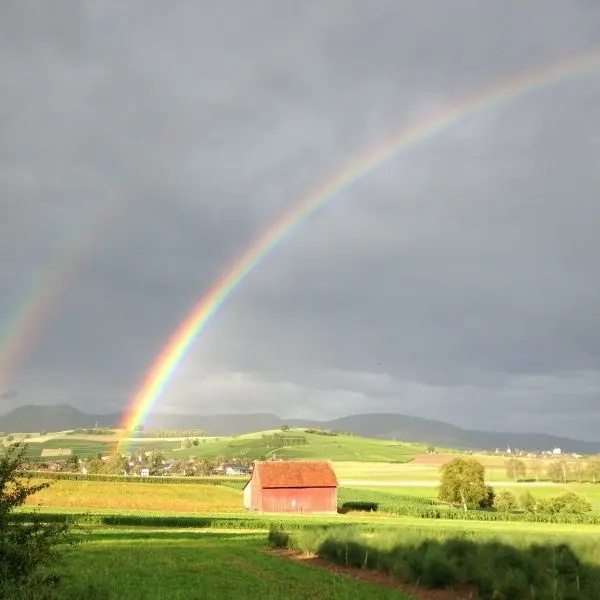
{"type": "Point", "coordinates": [25, 545]}
{"type": "Point", "coordinates": [505, 501]}
{"type": "Point", "coordinates": [496, 569]}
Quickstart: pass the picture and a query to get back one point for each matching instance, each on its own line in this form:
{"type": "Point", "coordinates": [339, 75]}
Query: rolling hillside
{"type": "Point", "coordinates": [383, 426]}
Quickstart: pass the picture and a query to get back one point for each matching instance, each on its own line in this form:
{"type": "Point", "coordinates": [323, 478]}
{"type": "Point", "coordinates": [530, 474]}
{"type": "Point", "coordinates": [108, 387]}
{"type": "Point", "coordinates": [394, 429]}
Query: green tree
{"type": "Point", "coordinates": [505, 501]}
{"type": "Point", "coordinates": [25, 546]}
{"type": "Point", "coordinates": [115, 464]}
{"type": "Point", "coordinates": [72, 464]}
{"type": "Point", "coordinates": [593, 468]}
{"type": "Point", "coordinates": [94, 465]}
{"type": "Point", "coordinates": [536, 468]}
{"type": "Point", "coordinates": [527, 501]}
{"type": "Point", "coordinates": [515, 469]}
{"type": "Point", "coordinates": [204, 467]}
{"type": "Point", "coordinates": [558, 470]}
{"type": "Point", "coordinates": [463, 483]}
{"type": "Point", "coordinates": [186, 443]}
{"type": "Point", "coordinates": [579, 470]}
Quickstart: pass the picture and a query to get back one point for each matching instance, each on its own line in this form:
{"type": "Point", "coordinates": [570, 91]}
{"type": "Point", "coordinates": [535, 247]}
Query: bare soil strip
{"type": "Point", "coordinates": [376, 578]}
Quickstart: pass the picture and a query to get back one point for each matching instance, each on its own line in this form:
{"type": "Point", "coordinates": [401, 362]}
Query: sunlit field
{"type": "Point", "coordinates": [174, 498]}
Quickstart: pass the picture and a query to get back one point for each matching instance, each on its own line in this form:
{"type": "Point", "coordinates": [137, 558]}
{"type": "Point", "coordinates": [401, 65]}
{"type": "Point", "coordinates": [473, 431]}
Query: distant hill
{"type": "Point", "coordinates": [384, 426]}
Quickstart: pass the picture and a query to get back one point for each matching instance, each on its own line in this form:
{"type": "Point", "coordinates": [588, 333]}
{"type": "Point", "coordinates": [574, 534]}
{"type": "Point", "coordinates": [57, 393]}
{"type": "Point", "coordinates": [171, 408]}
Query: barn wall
{"type": "Point", "coordinates": [299, 500]}
{"type": "Point", "coordinates": [255, 491]}
{"type": "Point", "coordinates": [248, 496]}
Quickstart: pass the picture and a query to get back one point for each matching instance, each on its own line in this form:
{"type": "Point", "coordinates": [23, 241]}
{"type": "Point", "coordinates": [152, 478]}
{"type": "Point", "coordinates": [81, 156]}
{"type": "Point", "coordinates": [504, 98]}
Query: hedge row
{"type": "Point", "coordinates": [234, 482]}
{"type": "Point", "coordinates": [212, 522]}
{"type": "Point", "coordinates": [491, 569]}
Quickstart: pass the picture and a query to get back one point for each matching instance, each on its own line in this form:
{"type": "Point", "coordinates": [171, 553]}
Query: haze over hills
{"type": "Point", "coordinates": [375, 425]}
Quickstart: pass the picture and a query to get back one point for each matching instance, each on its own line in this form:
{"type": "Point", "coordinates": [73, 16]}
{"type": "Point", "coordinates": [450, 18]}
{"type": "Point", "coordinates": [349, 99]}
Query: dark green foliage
{"type": "Point", "coordinates": [25, 546]}
{"type": "Point", "coordinates": [278, 538]}
{"type": "Point", "coordinates": [358, 506]}
{"type": "Point", "coordinates": [496, 569]}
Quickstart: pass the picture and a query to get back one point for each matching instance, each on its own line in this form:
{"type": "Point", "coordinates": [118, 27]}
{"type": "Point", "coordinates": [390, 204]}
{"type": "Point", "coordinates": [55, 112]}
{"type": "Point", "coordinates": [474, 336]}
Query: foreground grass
{"type": "Point", "coordinates": [175, 498]}
{"type": "Point", "coordinates": [114, 564]}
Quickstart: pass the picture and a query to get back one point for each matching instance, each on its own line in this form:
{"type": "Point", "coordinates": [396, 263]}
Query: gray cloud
{"type": "Point", "coordinates": [458, 280]}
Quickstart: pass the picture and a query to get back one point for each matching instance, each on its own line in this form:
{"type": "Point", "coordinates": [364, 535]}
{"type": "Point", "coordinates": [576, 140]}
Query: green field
{"type": "Point", "coordinates": [170, 538]}
{"type": "Point", "coordinates": [293, 444]}
{"type": "Point", "coordinates": [386, 471]}
{"type": "Point", "coordinates": [157, 564]}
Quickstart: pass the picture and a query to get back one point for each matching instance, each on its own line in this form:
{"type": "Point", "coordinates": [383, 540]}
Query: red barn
{"type": "Point", "coordinates": [294, 486]}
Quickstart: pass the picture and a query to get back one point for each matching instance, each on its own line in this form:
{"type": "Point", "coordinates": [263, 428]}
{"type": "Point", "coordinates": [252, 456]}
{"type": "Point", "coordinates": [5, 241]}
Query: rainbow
{"type": "Point", "coordinates": [21, 327]}
{"type": "Point", "coordinates": [166, 362]}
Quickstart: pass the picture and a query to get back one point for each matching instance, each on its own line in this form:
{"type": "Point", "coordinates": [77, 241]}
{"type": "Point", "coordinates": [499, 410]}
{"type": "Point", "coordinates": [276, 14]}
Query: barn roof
{"type": "Point", "coordinates": [295, 474]}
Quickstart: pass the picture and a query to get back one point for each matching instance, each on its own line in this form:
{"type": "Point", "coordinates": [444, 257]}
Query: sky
{"type": "Point", "coordinates": [458, 281]}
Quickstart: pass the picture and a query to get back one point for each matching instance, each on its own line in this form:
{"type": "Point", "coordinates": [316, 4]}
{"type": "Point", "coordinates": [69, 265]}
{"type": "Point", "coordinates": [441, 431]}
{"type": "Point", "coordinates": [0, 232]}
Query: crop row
{"type": "Point", "coordinates": [371, 500]}
{"type": "Point", "coordinates": [491, 568]}
{"type": "Point", "coordinates": [232, 482]}
{"type": "Point", "coordinates": [428, 508]}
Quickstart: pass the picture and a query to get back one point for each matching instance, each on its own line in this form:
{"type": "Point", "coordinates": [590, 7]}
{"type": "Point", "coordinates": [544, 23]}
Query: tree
{"type": "Point", "coordinates": [505, 501]}
{"type": "Point", "coordinates": [463, 482]}
{"type": "Point", "coordinates": [593, 468]}
{"type": "Point", "coordinates": [72, 463]}
{"type": "Point", "coordinates": [515, 468]}
{"type": "Point", "coordinates": [186, 443]}
{"type": "Point", "coordinates": [430, 449]}
{"type": "Point", "coordinates": [527, 502]}
{"type": "Point", "coordinates": [285, 427]}
{"type": "Point", "coordinates": [558, 470]}
{"type": "Point", "coordinates": [115, 465]}
{"type": "Point", "coordinates": [204, 467]}
{"type": "Point", "coordinates": [536, 468]}
{"type": "Point", "coordinates": [579, 470]}
{"type": "Point", "coordinates": [94, 465]}
{"type": "Point", "coordinates": [25, 546]}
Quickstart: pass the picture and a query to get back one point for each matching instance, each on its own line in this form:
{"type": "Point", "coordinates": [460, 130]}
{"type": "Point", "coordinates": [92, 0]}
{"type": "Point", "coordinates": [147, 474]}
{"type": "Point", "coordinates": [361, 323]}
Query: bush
{"type": "Point", "coordinates": [496, 569]}
{"type": "Point", "coordinates": [25, 545]}
{"type": "Point", "coordinates": [505, 501]}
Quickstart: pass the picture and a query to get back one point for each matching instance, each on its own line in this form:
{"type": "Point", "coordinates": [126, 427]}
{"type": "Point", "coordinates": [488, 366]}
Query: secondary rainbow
{"type": "Point", "coordinates": [19, 329]}
{"type": "Point", "coordinates": [166, 362]}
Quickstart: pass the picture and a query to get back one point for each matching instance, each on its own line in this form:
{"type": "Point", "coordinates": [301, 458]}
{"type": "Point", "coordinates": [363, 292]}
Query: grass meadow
{"type": "Point", "coordinates": [194, 540]}
{"type": "Point", "coordinates": [160, 564]}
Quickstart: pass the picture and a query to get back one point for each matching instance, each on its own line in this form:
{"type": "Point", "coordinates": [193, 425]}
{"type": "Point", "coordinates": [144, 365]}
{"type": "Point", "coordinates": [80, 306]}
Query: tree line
{"type": "Point", "coordinates": [559, 470]}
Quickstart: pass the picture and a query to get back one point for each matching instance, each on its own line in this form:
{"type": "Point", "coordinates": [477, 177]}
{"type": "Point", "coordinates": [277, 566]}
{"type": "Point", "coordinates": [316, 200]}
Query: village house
{"type": "Point", "coordinates": [293, 486]}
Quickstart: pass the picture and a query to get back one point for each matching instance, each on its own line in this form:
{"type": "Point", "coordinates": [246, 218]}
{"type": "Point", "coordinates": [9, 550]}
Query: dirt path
{"type": "Point", "coordinates": [377, 578]}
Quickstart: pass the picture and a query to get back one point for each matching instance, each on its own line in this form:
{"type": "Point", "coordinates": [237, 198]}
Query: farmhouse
{"type": "Point", "coordinates": [294, 486]}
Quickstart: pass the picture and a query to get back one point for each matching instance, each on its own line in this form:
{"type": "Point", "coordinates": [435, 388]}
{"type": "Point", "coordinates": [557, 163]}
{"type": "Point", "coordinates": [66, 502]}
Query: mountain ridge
{"type": "Point", "coordinates": [33, 418]}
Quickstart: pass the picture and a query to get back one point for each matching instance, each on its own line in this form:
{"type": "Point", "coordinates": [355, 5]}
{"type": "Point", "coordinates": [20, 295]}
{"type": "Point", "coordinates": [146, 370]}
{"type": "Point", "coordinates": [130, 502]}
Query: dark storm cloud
{"type": "Point", "coordinates": [458, 280]}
